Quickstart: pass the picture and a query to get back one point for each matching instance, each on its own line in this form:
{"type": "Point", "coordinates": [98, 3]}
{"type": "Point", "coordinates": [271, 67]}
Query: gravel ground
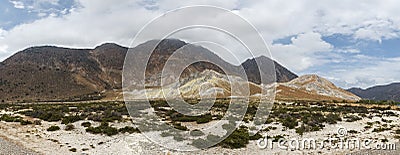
{"type": "Point", "coordinates": [9, 148]}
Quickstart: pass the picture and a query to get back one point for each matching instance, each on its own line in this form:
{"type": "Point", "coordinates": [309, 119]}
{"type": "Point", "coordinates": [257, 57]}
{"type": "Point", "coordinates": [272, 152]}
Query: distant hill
{"type": "Point", "coordinates": [313, 87]}
{"type": "Point", "coordinates": [51, 73]}
{"type": "Point", "coordinates": [383, 92]}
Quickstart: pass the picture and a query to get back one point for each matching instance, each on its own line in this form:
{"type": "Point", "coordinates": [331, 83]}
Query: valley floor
{"type": "Point", "coordinates": [376, 126]}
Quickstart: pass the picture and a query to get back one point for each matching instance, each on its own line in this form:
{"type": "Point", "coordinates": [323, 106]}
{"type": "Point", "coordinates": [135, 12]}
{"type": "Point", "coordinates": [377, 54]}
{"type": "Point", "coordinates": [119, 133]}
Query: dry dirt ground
{"type": "Point", "coordinates": [29, 139]}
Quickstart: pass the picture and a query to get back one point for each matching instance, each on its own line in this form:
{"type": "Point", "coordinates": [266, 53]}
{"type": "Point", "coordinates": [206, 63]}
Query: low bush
{"type": "Point", "coordinates": [332, 118]}
{"type": "Point", "coordinates": [53, 128]}
{"type": "Point", "coordinates": [289, 122]}
{"type": "Point", "coordinates": [8, 118]}
{"type": "Point", "coordinates": [300, 130]}
{"type": "Point", "coordinates": [71, 119]}
{"type": "Point", "coordinates": [196, 133]}
{"type": "Point", "coordinates": [86, 124]}
{"type": "Point", "coordinates": [128, 129]}
{"type": "Point", "coordinates": [180, 127]}
{"type": "Point", "coordinates": [72, 149]}
{"type": "Point", "coordinates": [37, 122]}
{"type": "Point", "coordinates": [352, 118]}
{"type": "Point", "coordinates": [200, 143]}
{"type": "Point", "coordinates": [238, 139]}
{"type": "Point", "coordinates": [50, 116]}
{"type": "Point", "coordinates": [25, 122]}
{"type": "Point", "coordinates": [104, 128]}
{"type": "Point", "coordinates": [380, 129]}
{"type": "Point", "coordinates": [204, 119]}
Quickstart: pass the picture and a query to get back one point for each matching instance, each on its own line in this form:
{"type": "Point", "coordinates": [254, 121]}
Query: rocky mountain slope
{"type": "Point", "coordinates": [210, 84]}
{"type": "Point", "coordinates": [206, 84]}
{"type": "Point", "coordinates": [384, 92]}
{"type": "Point", "coordinates": [53, 74]}
{"type": "Point", "coordinates": [313, 87]}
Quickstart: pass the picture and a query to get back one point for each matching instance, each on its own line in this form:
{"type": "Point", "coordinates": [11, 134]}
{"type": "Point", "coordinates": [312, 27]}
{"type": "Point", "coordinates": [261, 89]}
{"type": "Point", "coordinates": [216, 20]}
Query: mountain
{"type": "Point", "coordinates": [312, 87]}
{"type": "Point", "coordinates": [383, 92]}
{"type": "Point", "coordinates": [211, 84]}
{"type": "Point", "coordinates": [208, 84]}
{"type": "Point", "coordinates": [250, 66]}
{"type": "Point", "coordinates": [51, 73]}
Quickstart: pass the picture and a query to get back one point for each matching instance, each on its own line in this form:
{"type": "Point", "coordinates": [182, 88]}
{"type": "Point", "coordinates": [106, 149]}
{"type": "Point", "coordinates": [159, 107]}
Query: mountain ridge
{"type": "Point", "coordinates": [380, 92]}
{"type": "Point", "coordinates": [312, 86]}
{"type": "Point", "coordinates": [34, 74]}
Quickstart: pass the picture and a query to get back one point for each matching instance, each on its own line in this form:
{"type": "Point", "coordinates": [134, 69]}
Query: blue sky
{"type": "Point", "coordinates": [18, 12]}
{"type": "Point", "coordinates": [353, 44]}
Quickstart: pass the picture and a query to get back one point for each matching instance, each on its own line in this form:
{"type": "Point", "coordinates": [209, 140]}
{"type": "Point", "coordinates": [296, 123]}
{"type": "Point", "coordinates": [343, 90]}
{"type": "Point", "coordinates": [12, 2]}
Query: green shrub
{"type": "Point", "coordinates": [25, 122]}
{"type": "Point", "coordinates": [352, 118]}
{"type": "Point", "coordinates": [37, 122]}
{"type": "Point", "coordinates": [106, 116]}
{"type": "Point", "coordinates": [238, 139]}
{"type": "Point", "coordinates": [380, 129]}
{"type": "Point", "coordinates": [177, 117]}
{"type": "Point", "coordinates": [200, 143]}
{"type": "Point", "coordinates": [332, 118]}
{"type": "Point", "coordinates": [109, 131]}
{"type": "Point", "coordinates": [8, 118]}
{"type": "Point", "coordinates": [104, 128]}
{"type": "Point", "coordinates": [53, 128]}
{"type": "Point", "coordinates": [128, 129]}
{"type": "Point", "coordinates": [86, 124]}
{"type": "Point", "coordinates": [352, 131]}
{"type": "Point", "coordinates": [257, 136]}
{"type": "Point", "coordinates": [196, 133]}
{"type": "Point", "coordinates": [180, 127]}
{"type": "Point", "coordinates": [94, 130]}
{"type": "Point", "coordinates": [213, 138]}
{"type": "Point", "coordinates": [290, 122]}
{"type": "Point", "coordinates": [204, 119]}
{"type": "Point", "coordinates": [43, 114]}
{"type": "Point", "coordinates": [71, 119]}
{"type": "Point", "coordinates": [300, 130]}
{"type": "Point", "coordinates": [72, 149]}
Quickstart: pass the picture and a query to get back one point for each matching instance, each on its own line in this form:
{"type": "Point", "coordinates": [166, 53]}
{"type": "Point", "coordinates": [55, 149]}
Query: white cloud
{"type": "Point", "coordinates": [301, 53]}
{"type": "Point", "coordinates": [115, 21]}
{"type": "Point", "coordinates": [18, 4]}
{"type": "Point", "coordinates": [95, 22]}
{"type": "Point", "coordinates": [377, 30]}
{"type": "Point", "coordinates": [366, 71]}
{"type": "Point", "coordinates": [41, 7]}
{"type": "Point", "coordinates": [348, 50]}
{"type": "Point", "coordinates": [3, 47]}
{"type": "Point", "coordinates": [2, 33]}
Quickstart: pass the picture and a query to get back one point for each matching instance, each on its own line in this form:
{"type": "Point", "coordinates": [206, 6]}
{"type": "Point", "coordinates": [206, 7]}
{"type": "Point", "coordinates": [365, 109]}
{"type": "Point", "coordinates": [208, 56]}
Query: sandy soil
{"type": "Point", "coordinates": [35, 137]}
